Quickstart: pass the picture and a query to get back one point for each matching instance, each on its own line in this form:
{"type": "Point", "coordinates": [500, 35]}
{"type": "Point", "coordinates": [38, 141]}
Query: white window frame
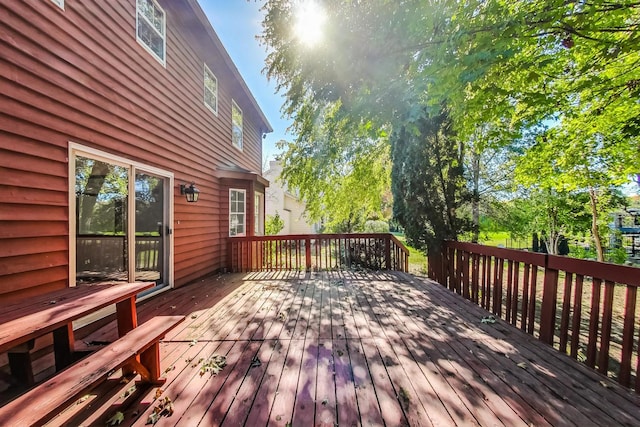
{"type": "Point", "coordinates": [258, 210]}
{"type": "Point", "coordinates": [244, 212]}
{"type": "Point", "coordinates": [59, 3]}
{"type": "Point", "coordinates": [161, 60]}
{"type": "Point", "coordinates": [233, 125]}
{"type": "Point", "coordinates": [213, 108]}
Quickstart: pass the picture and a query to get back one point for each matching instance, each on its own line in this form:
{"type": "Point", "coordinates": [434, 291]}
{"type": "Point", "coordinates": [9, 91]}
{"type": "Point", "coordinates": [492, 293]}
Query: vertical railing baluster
{"type": "Point", "coordinates": [508, 301]}
{"type": "Point", "coordinates": [577, 316]}
{"type": "Point", "coordinates": [515, 293]}
{"type": "Point", "coordinates": [566, 308]}
{"type": "Point", "coordinates": [627, 336]}
{"type": "Point", "coordinates": [594, 321]}
{"type": "Point", "coordinates": [525, 296]}
{"type": "Point", "coordinates": [533, 287]}
{"type": "Point", "coordinates": [605, 335]}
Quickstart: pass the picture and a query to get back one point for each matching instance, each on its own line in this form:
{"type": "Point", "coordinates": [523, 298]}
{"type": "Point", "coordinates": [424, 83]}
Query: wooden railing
{"type": "Point", "coordinates": [317, 252]}
{"type": "Point", "coordinates": [108, 253]}
{"type": "Point", "coordinates": [587, 309]}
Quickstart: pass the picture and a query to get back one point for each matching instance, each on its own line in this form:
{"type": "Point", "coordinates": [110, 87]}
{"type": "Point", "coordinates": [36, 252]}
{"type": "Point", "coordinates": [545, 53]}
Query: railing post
{"type": "Point", "coordinates": [307, 253]}
{"type": "Point", "coordinates": [549, 300]}
{"type": "Point", "coordinates": [387, 252]}
{"type": "Point", "coordinates": [229, 255]}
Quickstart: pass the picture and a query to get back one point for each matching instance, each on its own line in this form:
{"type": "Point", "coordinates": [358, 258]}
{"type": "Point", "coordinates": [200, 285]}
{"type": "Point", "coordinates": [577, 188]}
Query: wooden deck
{"type": "Point", "coordinates": [351, 349]}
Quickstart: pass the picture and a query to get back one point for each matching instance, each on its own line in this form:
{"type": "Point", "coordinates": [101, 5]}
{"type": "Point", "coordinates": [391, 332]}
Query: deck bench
{"type": "Point", "coordinates": [22, 322]}
{"type": "Point", "coordinates": [138, 350]}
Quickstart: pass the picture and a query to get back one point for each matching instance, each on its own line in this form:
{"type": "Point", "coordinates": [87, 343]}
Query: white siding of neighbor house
{"type": "Point", "coordinates": [287, 205]}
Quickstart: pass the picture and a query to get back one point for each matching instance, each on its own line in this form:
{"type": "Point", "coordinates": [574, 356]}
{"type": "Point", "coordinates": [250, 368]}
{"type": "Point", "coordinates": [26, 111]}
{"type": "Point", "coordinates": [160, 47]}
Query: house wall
{"type": "Point", "coordinates": [278, 199]}
{"type": "Point", "coordinates": [79, 75]}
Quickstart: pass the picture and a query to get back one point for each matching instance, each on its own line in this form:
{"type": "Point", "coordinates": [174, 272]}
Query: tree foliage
{"type": "Point", "coordinates": [340, 170]}
{"type": "Point", "coordinates": [273, 224]}
{"type": "Point", "coordinates": [557, 80]}
{"type": "Point", "coordinates": [428, 182]}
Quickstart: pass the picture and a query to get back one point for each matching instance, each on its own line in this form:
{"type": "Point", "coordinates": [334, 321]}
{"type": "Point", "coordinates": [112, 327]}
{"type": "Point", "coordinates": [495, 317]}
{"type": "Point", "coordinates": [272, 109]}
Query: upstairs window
{"type": "Point", "coordinates": [237, 212]}
{"type": "Point", "coordinates": [150, 28]}
{"type": "Point", "coordinates": [236, 125]}
{"type": "Point", "coordinates": [210, 90]}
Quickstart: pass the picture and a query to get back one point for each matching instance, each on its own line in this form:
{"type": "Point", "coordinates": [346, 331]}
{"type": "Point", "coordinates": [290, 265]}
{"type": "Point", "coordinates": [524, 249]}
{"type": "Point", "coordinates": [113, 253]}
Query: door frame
{"type": "Point", "coordinates": [134, 167]}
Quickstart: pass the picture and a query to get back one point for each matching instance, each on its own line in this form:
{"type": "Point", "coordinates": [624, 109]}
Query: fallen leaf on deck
{"type": "Point", "coordinates": [193, 316]}
{"type": "Point", "coordinates": [128, 391]}
{"type": "Point", "coordinates": [405, 399]}
{"type": "Point", "coordinates": [522, 365]}
{"type": "Point", "coordinates": [153, 417]}
{"type": "Point", "coordinates": [193, 342]}
{"type": "Point", "coordinates": [213, 365]}
{"type": "Point", "coordinates": [159, 392]}
{"type": "Point", "coordinates": [604, 384]}
{"type": "Point", "coordinates": [82, 399]}
{"type": "Point", "coordinates": [163, 408]}
{"type": "Point", "coordinates": [172, 307]}
{"type": "Point", "coordinates": [167, 407]}
{"type": "Point", "coordinates": [488, 320]}
{"type": "Point", "coordinates": [53, 301]}
{"type": "Point", "coordinates": [117, 419]}
{"type": "Point", "coordinates": [255, 362]}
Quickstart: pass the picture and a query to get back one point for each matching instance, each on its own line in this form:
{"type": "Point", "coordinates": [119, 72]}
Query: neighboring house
{"type": "Point", "coordinates": [290, 208]}
{"type": "Point", "coordinates": [107, 109]}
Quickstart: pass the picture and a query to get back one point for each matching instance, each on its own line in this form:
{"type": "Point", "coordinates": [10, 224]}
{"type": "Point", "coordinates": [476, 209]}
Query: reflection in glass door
{"type": "Point", "coordinates": [101, 221]}
{"type": "Point", "coordinates": [151, 228]}
{"type": "Point", "coordinates": [121, 222]}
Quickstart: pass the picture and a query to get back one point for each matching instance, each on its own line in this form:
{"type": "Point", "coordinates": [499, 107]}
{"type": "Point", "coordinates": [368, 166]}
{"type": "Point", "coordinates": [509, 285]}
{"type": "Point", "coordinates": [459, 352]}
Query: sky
{"type": "Point", "coordinates": [237, 23]}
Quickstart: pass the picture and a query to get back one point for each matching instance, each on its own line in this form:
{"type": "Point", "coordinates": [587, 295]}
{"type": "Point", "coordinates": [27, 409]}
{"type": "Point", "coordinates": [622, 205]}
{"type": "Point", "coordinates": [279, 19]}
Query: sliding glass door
{"type": "Point", "coordinates": [151, 228]}
{"type": "Point", "coordinates": [122, 224]}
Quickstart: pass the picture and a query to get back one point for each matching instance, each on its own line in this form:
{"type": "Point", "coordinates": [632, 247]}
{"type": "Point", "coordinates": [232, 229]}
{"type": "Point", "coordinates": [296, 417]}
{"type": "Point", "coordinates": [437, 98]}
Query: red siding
{"type": "Point", "coordinates": [79, 75]}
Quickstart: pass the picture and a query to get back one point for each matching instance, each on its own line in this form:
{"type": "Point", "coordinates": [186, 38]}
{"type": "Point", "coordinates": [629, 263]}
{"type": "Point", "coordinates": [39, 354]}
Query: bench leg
{"type": "Point", "coordinates": [21, 368]}
{"type": "Point", "coordinates": [63, 346]}
{"type": "Point", "coordinates": [150, 358]}
{"type": "Point", "coordinates": [148, 365]}
{"type": "Point", "coordinates": [127, 318]}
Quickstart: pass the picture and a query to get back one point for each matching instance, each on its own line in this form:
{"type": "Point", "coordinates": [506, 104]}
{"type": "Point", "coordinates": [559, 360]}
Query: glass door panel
{"type": "Point", "coordinates": [150, 228]}
{"type": "Point", "coordinates": [101, 191]}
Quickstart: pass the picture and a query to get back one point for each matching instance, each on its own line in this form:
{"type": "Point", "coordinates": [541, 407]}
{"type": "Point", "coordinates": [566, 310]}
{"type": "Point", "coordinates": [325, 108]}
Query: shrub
{"type": "Point", "coordinates": [376, 226]}
{"type": "Point", "coordinates": [273, 224]}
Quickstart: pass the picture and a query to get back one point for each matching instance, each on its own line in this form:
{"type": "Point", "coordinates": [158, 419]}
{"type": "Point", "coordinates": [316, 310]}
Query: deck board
{"type": "Point", "coordinates": [351, 349]}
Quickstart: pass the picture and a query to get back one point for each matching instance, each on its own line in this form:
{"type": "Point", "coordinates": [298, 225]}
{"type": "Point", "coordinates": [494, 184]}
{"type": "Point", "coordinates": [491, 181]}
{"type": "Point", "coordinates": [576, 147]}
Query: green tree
{"type": "Point", "coordinates": [572, 159]}
{"type": "Point", "coordinates": [510, 67]}
{"type": "Point", "coordinates": [273, 224]}
{"type": "Point", "coordinates": [340, 170]}
{"type": "Point", "coordinates": [428, 186]}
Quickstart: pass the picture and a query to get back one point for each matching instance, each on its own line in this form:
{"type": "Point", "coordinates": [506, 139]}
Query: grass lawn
{"type": "Point", "coordinates": [417, 259]}
{"type": "Point", "coordinates": [502, 239]}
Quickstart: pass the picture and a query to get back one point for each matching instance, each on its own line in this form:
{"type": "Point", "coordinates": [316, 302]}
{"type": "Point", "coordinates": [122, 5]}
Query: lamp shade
{"type": "Point", "coordinates": [191, 192]}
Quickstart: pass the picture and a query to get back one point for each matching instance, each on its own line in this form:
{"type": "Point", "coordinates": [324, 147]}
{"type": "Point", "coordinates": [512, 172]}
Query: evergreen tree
{"type": "Point", "coordinates": [428, 183]}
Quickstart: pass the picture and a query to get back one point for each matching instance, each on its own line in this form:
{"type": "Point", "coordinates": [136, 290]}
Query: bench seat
{"type": "Point", "coordinates": [43, 402]}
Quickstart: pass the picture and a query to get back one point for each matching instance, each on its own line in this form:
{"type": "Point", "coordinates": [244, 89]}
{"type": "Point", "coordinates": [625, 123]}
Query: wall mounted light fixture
{"type": "Point", "coordinates": [190, 192]}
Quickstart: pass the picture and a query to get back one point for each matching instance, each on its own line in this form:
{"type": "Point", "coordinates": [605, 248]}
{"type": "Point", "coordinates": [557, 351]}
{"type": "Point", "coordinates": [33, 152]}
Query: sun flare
{"type": "Point", "coordinates": [310, 18]}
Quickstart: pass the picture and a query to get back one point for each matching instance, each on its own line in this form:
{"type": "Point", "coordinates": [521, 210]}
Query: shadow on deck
{"type": "Point", "coordinates": [349, 349]}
